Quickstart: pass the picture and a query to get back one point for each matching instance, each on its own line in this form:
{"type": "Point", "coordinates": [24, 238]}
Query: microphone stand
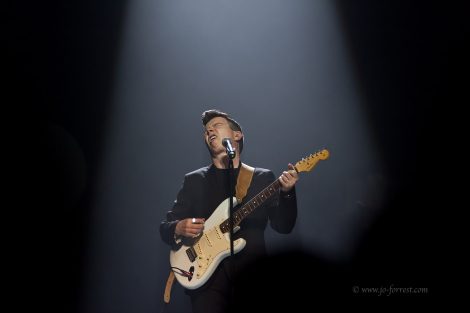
{"type": "Point", "coordinates": [230, 155]}
{"type": "Point", "coordinates": [230, 201]}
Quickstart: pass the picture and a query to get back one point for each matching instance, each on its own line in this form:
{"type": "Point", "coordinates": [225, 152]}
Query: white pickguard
{"type": "Point", "coordinates": [211, 248]}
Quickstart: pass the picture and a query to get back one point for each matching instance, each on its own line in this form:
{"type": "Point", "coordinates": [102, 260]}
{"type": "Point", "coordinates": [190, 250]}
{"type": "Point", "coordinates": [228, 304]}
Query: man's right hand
{"type": "Point", "coordinates": [190, 227]}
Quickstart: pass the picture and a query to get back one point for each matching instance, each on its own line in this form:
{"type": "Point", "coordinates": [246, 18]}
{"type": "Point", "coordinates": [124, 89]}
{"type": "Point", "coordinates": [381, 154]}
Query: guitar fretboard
{"type": "Point", "coordinates": [251, 205]}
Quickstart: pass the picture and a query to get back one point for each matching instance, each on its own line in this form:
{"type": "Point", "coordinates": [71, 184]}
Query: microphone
{"type": "Point", "coordinates": [228, 146]}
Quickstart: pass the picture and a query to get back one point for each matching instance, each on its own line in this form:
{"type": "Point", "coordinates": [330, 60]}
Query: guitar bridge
{"type": "Point", "coordinates": [191, 254]}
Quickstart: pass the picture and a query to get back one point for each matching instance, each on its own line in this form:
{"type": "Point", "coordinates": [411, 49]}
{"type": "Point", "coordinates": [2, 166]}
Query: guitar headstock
{"type": "Point", "coordinates": [307, 164]}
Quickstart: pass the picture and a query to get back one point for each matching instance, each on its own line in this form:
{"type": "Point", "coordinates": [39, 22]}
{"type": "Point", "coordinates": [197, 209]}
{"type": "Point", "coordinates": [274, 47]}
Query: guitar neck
{"type": "Point", "coordinates": [304, 165]}
{"type": "Point", "coordinates": [251, 205]}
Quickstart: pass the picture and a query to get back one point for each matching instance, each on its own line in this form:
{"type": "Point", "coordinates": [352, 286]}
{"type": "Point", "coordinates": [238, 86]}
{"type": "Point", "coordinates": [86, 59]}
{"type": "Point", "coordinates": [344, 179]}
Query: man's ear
{"type": "Point", "coordinates": [238, 135]}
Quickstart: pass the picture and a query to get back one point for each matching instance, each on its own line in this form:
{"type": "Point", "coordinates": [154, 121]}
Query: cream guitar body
{"type": "Point", "coordinates": [203, 254]}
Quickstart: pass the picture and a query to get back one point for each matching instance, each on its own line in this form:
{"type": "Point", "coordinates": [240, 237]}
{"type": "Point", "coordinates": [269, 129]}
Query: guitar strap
{"type": "Point", "coordinates": [243, 183]}
{"type": "Point", "coordinates": [169, 284]}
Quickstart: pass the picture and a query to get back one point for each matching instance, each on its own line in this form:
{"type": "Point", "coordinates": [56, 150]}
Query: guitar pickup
{"type": "Point", "coordinates": [191, 254]}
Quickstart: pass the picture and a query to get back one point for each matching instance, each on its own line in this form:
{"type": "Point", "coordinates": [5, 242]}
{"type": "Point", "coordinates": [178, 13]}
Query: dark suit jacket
{"type": "Point", "coordinates": [196, 198]}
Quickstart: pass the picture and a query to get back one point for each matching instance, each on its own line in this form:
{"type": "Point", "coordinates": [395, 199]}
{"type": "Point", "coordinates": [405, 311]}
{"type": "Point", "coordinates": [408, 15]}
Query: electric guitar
{"type": "Point", "coordinates": [197, 258]}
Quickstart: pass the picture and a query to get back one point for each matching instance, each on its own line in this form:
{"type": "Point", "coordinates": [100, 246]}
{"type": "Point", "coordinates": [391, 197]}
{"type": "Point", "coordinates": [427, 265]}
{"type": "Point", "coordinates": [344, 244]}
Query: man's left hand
{"type": "Point", "coordinates": [288, 178]}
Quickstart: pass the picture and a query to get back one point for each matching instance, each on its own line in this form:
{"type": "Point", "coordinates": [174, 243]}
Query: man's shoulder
{"type": "Point", "coordinates": [262, 171]}
{"type": "Point", "coordinates": [200, 172]}
{"type": "Point", "coordinates": [259, 171]}
{"type": "Point", "coordinates": [263, 176]}
{"type": "Point", "coordinates": [203, 171]}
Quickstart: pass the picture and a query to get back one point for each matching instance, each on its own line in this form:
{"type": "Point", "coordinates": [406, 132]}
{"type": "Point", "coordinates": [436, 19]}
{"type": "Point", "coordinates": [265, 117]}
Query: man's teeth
{"type": "Point", "coordinates": [212, 138]}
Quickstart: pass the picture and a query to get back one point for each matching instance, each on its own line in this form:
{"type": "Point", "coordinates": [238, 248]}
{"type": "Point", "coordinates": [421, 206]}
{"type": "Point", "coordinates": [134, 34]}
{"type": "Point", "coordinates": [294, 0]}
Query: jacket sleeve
{"type": "Point", "coordinates": [283, 210]}
{"type": "Point", "coordinates": [180, 210]}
